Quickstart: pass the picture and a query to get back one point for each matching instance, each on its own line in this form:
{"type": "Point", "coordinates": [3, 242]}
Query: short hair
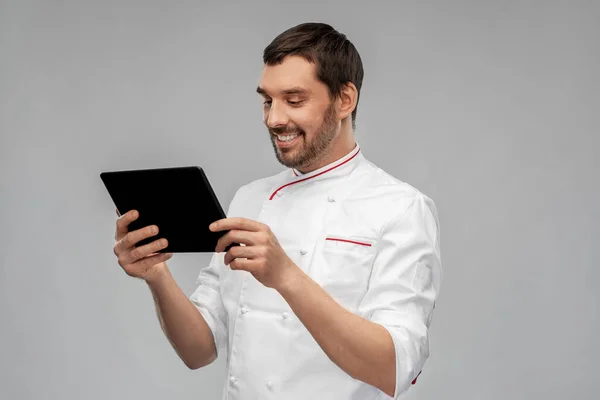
{"type": "Point", "coordinates": [336, 59]}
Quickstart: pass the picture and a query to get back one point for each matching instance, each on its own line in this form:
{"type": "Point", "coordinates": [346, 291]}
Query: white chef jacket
{"type": "Point", "coordinates": [368, 239]}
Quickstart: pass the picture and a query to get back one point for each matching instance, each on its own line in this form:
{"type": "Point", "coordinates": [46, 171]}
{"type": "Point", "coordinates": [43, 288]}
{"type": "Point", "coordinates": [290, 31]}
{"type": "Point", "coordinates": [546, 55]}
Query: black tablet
{"type": "Point", "coordinates": [179, 200]}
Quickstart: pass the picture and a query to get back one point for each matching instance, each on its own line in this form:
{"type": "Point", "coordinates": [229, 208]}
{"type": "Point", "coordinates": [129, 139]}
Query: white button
{"type": "Point", "coordinates": [330, 199]}
{"type": "Point", "coordinates": [244, 310]}
{"type": "Point", "coordinates": [232, 380]}
{"type": "Point", "coordinates": [285, 315]}
{"type": "Point", "coordinates": [270, 385]}
{"type": "Point", "coordinates": [279, 194]}
{"type": "Point", "coordinates": [303, 252]}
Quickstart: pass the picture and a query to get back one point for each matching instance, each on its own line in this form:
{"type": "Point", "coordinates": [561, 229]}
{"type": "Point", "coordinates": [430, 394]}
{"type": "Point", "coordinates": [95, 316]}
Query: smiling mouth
{"type": "Point", "coordinates": [286, 140]}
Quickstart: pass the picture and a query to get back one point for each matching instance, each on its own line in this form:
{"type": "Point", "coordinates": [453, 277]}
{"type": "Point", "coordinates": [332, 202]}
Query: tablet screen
{"type": "Point", "coordinates": [179, 200]}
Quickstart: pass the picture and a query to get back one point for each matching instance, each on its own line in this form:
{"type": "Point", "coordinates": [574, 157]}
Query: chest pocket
{"type": "Point", "coordinates": [346, 263]}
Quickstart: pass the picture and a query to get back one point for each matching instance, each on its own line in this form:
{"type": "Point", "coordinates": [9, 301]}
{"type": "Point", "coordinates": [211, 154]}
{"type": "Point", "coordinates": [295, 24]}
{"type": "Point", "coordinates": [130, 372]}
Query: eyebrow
{"type": "Point", "coordinates": [293, 90]}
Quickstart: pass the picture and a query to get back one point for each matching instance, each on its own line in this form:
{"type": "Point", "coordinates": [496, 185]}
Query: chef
{"type": "Point", "coordinates": [331, 292]}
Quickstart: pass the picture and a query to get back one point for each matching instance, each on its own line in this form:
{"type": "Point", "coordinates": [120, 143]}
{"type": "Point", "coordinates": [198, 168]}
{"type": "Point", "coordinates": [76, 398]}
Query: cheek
{"type": "Point", "coordinates": [305, 121]}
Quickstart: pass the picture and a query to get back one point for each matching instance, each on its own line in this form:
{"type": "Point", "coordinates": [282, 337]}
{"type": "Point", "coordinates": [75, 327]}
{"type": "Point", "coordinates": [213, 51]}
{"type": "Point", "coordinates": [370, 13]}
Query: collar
{"type": "Point", "coordinates": [339, 168]}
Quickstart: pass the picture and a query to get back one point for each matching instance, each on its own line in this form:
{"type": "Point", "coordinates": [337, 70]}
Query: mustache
{"type": "Point", "coordinates": [285, 130]}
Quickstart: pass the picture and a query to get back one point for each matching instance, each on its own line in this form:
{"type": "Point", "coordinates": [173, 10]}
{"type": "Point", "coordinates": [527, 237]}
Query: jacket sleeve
{"type": "Point", "coordinates": [405, 284]}
{"type": "Point", "coordinates": [207, 296]}
{"type": "Point", "coordinates": [208, 301]}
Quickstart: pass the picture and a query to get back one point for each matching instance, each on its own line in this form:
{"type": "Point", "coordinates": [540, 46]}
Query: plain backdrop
{"type": "Point", "coordinates": [489, 107]}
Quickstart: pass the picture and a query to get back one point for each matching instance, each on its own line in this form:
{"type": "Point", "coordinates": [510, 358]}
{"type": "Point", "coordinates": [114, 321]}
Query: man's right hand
{"type": "Point", "coordinates": [140, 262]}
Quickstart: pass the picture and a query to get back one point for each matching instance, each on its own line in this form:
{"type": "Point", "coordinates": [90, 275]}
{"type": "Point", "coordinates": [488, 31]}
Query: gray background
{"type": "Point", "coordinates": [490, 108]}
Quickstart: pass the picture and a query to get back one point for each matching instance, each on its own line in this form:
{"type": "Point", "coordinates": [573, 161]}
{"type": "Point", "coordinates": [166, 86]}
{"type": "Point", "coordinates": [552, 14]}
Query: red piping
{"type": "Point", "coordinates": [349, 241]}
{"type": "Point", "coordinates": [314, 176]}
{"type": "Point", "coordinates": [415, 380]}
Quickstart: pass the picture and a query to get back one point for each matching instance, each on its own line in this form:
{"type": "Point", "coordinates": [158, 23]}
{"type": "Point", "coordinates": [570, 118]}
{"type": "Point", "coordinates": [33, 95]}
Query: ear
{"type": "Point", "coordinates": [347, 100]}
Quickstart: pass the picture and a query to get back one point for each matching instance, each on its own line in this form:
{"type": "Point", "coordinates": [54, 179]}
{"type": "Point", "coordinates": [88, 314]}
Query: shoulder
{"type": "Point", "coordinates": [263, 186]}
{"type": "Point", "coordinates": [393, 204]}
{"type": "Point", "coordinates": [256, 191]}
{"type": "Point", "coordinates": [389, 190]}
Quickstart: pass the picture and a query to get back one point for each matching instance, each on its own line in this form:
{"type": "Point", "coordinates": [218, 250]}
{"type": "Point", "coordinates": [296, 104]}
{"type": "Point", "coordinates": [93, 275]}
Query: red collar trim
{"type": "Point", "coordinates": [314, 176]}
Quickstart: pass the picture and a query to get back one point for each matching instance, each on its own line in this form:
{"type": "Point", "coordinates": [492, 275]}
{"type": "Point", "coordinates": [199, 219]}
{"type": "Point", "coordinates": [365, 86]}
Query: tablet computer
{"type": "Point", "coordinates": [179, 200]}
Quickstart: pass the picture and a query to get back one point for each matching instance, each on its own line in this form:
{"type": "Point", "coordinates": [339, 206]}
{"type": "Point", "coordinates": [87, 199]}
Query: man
{"type": "Point", "coordinates": [331, 294]}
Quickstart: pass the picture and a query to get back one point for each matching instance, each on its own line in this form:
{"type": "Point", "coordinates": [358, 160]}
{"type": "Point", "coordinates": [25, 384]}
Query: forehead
{"type": "Point", "coordinates": [293, 72]}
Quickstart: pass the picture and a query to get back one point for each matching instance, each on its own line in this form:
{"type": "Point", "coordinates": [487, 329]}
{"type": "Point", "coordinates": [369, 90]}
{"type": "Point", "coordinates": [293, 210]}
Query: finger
{"type": "Point", "coordinates": [153, 260]}
{"type": "Point", "coordinates": [245, 265]}
{"type": "Point", "coordinates": [240, 252]}
{"type": "Point", "coordinates": [141, 252]}
{"type": "Point", "coordinates": [239, 223]}
{"type": "Point", "coordinates": [235, 236]}
{"type": "Point", "coordinates": [132, 238]}
{"type": "Point", "coordinates": [123, 222]}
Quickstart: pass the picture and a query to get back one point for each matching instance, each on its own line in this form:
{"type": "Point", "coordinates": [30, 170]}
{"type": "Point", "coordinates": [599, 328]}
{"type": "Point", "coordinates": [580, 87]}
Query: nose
{"type": "Point", "coordinates": [275, 116]}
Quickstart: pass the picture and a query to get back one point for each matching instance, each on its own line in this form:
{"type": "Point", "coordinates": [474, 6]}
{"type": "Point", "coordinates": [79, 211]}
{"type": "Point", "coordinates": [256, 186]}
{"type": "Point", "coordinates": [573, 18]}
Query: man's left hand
{"type": "Point", "coordinates": [261, 255]}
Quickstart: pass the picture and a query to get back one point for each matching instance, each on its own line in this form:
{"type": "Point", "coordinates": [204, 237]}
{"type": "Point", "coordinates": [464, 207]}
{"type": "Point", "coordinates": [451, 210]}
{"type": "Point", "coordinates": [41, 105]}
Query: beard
{"type": "Point", "coordinates": [306, 152]}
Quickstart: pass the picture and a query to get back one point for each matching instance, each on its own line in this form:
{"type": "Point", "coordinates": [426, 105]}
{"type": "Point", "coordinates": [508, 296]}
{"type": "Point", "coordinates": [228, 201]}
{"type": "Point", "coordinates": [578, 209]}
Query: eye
{"type": "Point", "coordinates": [295, 103]}
{"type": "Point", "coordinates": [267, 103]}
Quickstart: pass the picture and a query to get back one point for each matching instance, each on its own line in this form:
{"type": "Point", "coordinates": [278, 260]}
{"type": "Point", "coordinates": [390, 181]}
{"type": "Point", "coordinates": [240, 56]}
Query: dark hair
{"type": "Point", "coordinates": [336, 59]}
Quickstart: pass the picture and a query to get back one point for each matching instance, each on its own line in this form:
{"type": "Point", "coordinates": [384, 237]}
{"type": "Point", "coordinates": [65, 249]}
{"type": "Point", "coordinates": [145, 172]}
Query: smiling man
{"type": "Point", "coordinates": [331, 294]}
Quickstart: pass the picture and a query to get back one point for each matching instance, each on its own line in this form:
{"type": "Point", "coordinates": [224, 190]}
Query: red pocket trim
{"type": "Point", "coordinates": [348, 241]}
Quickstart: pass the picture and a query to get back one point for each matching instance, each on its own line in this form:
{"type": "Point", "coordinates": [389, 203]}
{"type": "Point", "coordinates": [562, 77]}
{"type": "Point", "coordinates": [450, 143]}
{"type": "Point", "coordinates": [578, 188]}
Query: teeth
{"type": "Point", "coordinates": [286, 138]}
